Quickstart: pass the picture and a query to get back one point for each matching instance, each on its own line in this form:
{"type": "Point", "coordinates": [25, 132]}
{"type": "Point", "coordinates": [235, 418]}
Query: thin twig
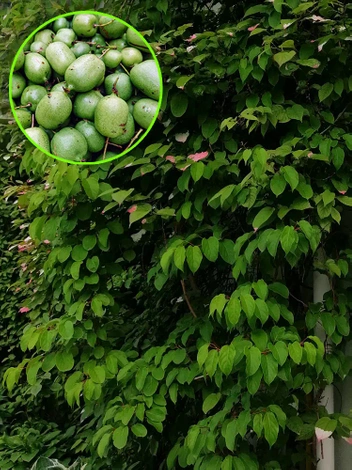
{"type": "Point", "coordinates": [135, 138]}
{"type": "Point", "coordinates": [24, 106]}
{"type": "Point", "coordinates": [106, 146]}
{"type": "Point", "coordinates": [104, 52]}
{"type": "Point", "coordinates": [187, 299]}
{"type": "Point", "coordinates": [115, 145]}
{"type": "Point", "coordinates": [105, 24]}
{"type": "Point", "coordinates": [121, 65]}
{"type": "Point", "coordinates": [298, 300]}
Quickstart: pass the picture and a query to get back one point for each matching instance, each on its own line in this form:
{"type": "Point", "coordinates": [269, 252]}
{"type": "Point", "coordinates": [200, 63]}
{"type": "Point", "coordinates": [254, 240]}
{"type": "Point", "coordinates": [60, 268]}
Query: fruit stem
{"type": "Point", "coordinates": [134, 138]}
{"type": "Point", "coordinates": [32, 120]}
{"type": "Point", "coordinates": [106, 146]}
{"type": "Point", "coordinates": [104, 52]}
{"type": "Point", "coordinates": [105, 24]}
{"type": "Point", "coordinates": [124, 69]}
{"type": "Point", "coordinates": [24, 106]}
{"type": "Point", "coordinates": [115, 145]}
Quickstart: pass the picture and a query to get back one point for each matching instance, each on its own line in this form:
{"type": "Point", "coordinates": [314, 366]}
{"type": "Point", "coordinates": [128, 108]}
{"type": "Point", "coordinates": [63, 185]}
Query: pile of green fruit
{"type": "Point", "coordinates": [85, 89]}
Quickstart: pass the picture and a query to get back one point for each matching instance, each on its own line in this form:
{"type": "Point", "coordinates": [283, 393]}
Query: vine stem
{"type": "Point", "coordinates": [187, 299]}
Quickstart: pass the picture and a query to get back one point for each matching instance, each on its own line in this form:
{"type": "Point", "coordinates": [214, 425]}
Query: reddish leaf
{"type": "Point", "coordinates": [132, 209]}
{"type": "Point", "coordinates": [24, 310]}
{"type": "Point", "coordinates": [198, 156]}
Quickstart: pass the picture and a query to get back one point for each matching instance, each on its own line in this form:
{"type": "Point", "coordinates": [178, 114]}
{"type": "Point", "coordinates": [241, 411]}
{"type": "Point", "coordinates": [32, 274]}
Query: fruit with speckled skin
{"type": "Point", "coordinates": [32, 94]}
{"type": "Point", "coordinates": [110, 28]}
{"type": "Point", "coordinates": [111, 116]}
{"type": "Point", "coordinates": [39, 136]}
{"type": "Point", "coordinates": [136, 40]}
{"type": "Point", "coordinates": [80, 48]}
{"type": "Point", "coordinates": [131, 56]}
{"type": "Point", "coordinates": [94, 139]}
{"type": "Point", "coordinates": [53, 110]}
{"type": "Point", "coordinates": [45, 35]}
{"type": "Point", "coordinates": [59, 56]}
{"type": "Point", "coordinates": [85, 104]}
{"type": "Point", "coordinates": [37, 68]}
{"type": "Point", "coordinates": [144, 111]}
{"type": "Point", "coordinates": [18, 85]}
{"type": "Point", "coordinates": [25, 117]}
{"type": "Point", "coordinates": [59, 24]}
{"type": "Point", "coordinates": [20, 61]}
{"type": "Point", "coordinates": [128, 132]}
{"type": "Point", "coordinates": [145, 77]}
{"type": "Point", "coordinates": [120, 84]}
{"type": "Point", "coordinates": [69, 144]}
{"type": "Point", "coordinates": [85, 73]}
{"type": "Point", "coordinates": [66, 36]}
{"type": "Point", "coordinates": [112, 58]}
{"type": "Point", "coordinates": [39, 47]}
{"type": "Point", "coordinates": [84, 25]}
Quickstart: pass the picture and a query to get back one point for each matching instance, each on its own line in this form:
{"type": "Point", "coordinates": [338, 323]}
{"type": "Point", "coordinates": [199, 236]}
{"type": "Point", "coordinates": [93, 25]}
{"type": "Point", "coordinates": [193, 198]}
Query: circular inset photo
{"type": "Point", "coordinates": [85, 87]}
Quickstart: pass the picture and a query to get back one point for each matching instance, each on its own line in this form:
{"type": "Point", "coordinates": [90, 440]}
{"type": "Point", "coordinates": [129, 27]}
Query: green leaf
{"type": "Point", "coordinates": [248, 304]}
{"type": "Point", "coordinates": [226, 359]}
{"type": "Point", "coordinates": [91, 187]}
{"type": "Point", "coordinates": [280, 352]}
{"type": "Point", "coordinates": [139, 430]}
{"type": "Point", "coordinates": [64, 361]}
{"type": "Point", "coordinates": [227, 251]}
{"type": "Point", "coordinates": [165, 260]}
{"type": "Point", "coordinates": [92, 264]}
{"type": "Point", "coordinates": [271, 428]}
{"type": "Point", "coordinates": [210, 402]}
{"type": "Point", "coordinates": [277, 184]}
{"type": "Point", "coordinates": [141, 210]}
{"type": "Point", "coordinates": [103, 444]}
{"type": "Point", "coordinates": [179, 104]}
{"type": "Point", "coordinates": [75, 268]}
{"type": "Point", "coordinates": [262, 216]}
{"type": "Point", "coordinates": [326, 423]}
{"type": "Point", "coordinates": [269, 367]}
{"type": "Point", "coordinates": [288, 238]}
{"type": "Point", "coordinates": [295, 351]}
{"type": "Point", "coordinates": [66, 329]}
{"type": "Point", "coordinates": [291, 176]}
{"type": "Point", "coordinates": [194, 258]}
{"type": "Point", "coordinates": [233, 311]}
{"type": "Point", "coordinates": [89, 242]}
{"type": "Point", "coordinates": [253, 360]}
{"type": "Point", "coordinates": [261, 289]}
{"type": "Point", "coordinates": [280, 289]}
{"type": "Point", "coordinates": [197, 171]}
{"type": "Point", "coordinates": [179, 257]}
{"type": "Point", "coordinates": [120, 437]}
{"type": "Point", "coordinates": [210, 248]}
{"type": "Point", "coordinates": [325, 91]}
{"type": "Point", "coordinates": [97, 374]}
{"type": "Point", "coordinates": [283, 57]}
{"type": "Point", "coordinates": [217, 304]}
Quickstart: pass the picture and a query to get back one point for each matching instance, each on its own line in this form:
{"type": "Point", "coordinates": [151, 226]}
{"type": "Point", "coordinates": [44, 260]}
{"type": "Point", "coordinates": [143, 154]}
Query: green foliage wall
{"type": "Point", "coordinates": [169, 315]}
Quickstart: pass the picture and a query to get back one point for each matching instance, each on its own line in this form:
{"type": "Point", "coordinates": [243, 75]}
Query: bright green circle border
{"type": "Point", "coordinates": [99, 162]}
